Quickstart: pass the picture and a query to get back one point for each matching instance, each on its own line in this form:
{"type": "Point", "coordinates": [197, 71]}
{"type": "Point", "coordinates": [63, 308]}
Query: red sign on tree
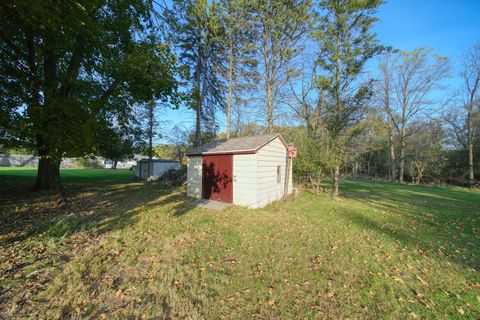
{"type": "Point", "coordinates": [292, 151]}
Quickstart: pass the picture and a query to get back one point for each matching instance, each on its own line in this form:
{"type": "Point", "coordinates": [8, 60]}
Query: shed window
{"type": "Point", "coordinates": [279, 176]}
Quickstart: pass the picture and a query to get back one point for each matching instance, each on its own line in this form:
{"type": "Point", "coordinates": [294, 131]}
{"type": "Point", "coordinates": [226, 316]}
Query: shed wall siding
{"type": "Point", "coordinates": [143, 170]}
{"type": "Point", "coordinates": [245, 180]}
{"type": "Point", "coordinates": [194, 177]}
{"type": "Point", "coordinates": [268, 158]}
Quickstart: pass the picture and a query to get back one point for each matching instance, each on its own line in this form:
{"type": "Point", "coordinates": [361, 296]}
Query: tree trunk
{"type": "Point", "coordinates": [336, 178]}
{"type": "Point", "coordinates": [402, 166]}
{"type": "Point", "coordinates": [48, 175]}
{"type": "Point", "coordinates": [230, 91]}
{"type": "Point", "coordinates": [114, 165]}
{"type": "Point", "coordinates": [198, 110]}
{"type": "Point", "coordinates": [150, 138]}
{"type": "Point", "coordinates": [269, 107]}
{"type": "Point", "coordinates": [269, 78]}
{"type": "Point", "coordinates": [471, 175]}
{"type": "Point", "coordinates": [393, 169]}
{"type": "Point", "coordinates": [402, 157]}
{"type": "Point", "coordinates": [196, 142]}
{"type": "Point", "coordinates": [151, 128]}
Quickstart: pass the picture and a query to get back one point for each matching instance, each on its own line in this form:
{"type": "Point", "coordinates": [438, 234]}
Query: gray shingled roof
{"type": "Point", "coordinates": [234, 145]}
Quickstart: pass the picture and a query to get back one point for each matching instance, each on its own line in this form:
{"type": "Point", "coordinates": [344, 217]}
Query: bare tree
{"type": "Point", "coordinates": [383, 93]}
{"type": "Point", "coordinates": [471, 82]}
{"type": "Point", "coordinates": [465, 104]}
{"type": "Point", "coordinates": [282, 26]}
{"type": "Point", "coordinates": [305, 100]}
{"type": "Point", "coordinates": [179, 137]}
{"type": "Point", "coordinates": [416, 75]}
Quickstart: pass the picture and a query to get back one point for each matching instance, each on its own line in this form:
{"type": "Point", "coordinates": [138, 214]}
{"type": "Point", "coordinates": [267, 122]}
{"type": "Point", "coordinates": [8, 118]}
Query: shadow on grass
{"type": "Point", "coordinates": [443, 221]}
{"type": "Point", "coordinates": [98, 206]}
{"type": "Point", "coordinates": [36, 234]}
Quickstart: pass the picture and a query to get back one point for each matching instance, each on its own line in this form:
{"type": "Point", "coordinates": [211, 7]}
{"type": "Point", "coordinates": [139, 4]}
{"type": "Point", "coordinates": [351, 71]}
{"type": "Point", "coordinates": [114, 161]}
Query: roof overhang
{"type": "Point", "coordinates": [158, 160]}
{"type": "Point", "coordinates": [249, 151]}
{"type": "Point", "coordinates": [222, 153]}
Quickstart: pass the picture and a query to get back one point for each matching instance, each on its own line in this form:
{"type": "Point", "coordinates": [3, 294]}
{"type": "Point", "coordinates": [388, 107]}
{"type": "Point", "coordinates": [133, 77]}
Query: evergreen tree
{"type": "Point", "coordinates": [197, 29]}
{"type": "Point", "coordinates": [238, 54]}
{"type": "Point", "coordinates": [346, 44]}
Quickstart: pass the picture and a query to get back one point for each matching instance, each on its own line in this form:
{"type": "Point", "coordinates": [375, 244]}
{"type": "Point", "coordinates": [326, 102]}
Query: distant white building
{"type": "Point", "coordinates": [248, 171]}
{"type": "Point", "coordinates": [123, 164]}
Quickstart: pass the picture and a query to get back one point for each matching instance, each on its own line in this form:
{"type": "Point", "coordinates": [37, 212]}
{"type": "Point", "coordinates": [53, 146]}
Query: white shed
{"type": "Point", "coordinates": [249, 171]}
{"type": "Point", "coordinates": [154, 168]}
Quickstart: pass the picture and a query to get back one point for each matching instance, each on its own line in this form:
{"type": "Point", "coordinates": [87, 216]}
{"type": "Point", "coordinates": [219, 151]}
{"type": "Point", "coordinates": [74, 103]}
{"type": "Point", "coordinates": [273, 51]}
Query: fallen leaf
{"type": "Point", "coordinates": [460, 310]}
{"type": "Point", "coordinates": [422, 281]}
{"type": "Point", "coordinates": [397, 279]}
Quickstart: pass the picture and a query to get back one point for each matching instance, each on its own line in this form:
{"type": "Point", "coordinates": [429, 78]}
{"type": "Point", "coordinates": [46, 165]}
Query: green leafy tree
{"type": "Point", "coordinates": [65, 65]}
{"type": "Point", "coordinates": [366, 151]}
{"type": "Point", "coordinates": [346, 44]}
{"type": "Point", "coordinates": [425, 151]}
{"type": "Point", "coordinates": [118, 143]}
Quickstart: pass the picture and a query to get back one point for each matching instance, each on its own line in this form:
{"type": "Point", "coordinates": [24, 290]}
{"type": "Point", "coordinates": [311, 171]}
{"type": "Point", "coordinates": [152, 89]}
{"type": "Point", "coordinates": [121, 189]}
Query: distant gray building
{"type": "Point", "coordinates": [155, 168]}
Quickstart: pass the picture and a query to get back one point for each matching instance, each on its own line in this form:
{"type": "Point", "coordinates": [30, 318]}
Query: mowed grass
{"type": "Point", "coordinates": [67, 174]}
{"type": "Point", "coordinates": [379, 251]}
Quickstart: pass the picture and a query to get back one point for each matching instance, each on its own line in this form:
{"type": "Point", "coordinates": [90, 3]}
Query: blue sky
{"type": "Point", "coordinates": [448, 26]}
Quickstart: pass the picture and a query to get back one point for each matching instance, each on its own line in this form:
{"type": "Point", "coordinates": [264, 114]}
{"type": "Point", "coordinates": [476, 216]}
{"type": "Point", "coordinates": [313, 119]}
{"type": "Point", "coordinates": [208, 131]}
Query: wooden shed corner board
{"type": "Point", "coordinates": [217, 177]}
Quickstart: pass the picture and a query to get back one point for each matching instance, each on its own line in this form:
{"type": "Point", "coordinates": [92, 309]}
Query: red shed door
{"type": "Point", "coordinates": [217, 178]}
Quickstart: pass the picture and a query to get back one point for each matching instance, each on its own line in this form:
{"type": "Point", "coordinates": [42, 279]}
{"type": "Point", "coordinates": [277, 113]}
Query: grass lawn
{"type": "Point", "coordinates": [133, 249]}
{"type": "Point", "coordinates": [29, 173]}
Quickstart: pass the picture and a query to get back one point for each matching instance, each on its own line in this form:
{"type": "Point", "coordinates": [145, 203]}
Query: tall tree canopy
{"type": "Point", "coordinates": [196, 30]}
{"type": "Point", "coordinates": [239, 49]}
{"type": "Point", "coordinates": [67, 66]}
{"type": "Point", "coordinates": [416, 75]}
{"type": "Point", "coordinates": [281, 29]}
{"type": "Point", "coordinates": [346, 44]}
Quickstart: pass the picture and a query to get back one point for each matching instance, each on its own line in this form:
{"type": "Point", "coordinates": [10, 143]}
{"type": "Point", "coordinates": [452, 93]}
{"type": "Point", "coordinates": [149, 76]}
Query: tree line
{"type": "Point", "coordinates": [87, 78]}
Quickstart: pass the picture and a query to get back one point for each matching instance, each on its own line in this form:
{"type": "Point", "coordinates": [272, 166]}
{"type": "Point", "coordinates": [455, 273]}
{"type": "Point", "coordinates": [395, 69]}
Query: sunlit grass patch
{"type": "Point", "coordinates": [381, 250]}
{"type": "Point", "coordinates": [68, 175]}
